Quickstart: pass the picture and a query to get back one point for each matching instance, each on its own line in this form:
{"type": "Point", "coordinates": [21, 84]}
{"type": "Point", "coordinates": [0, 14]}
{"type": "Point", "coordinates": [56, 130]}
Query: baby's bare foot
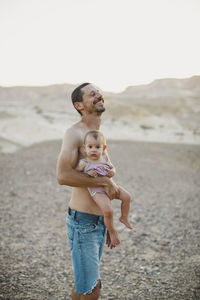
{"type": "Point", "coordinates": [125, 222]}
{"type": "Point", "coordinates": [114, 238]}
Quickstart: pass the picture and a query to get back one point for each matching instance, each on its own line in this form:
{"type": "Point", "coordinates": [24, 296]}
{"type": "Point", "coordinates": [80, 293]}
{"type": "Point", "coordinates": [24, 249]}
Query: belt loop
{"type": "Point", "coordinates": [97, 220]}
{"type": "Point", "coordinates": [74, 217]}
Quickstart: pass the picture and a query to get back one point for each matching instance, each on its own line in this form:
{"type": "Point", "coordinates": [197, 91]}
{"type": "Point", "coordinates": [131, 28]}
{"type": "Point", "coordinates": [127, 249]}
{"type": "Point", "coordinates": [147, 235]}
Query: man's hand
{"type": "Point", "coordinates": [108, 241]}
{"type": "Point", "coordinates": [112, 190]}
{"type": "Point", "coordinates": [92, 173]}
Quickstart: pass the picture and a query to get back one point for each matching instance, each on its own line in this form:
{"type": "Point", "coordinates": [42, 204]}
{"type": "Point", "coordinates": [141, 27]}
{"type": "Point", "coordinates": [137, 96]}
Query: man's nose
{"type": "Point", "coordinates": [99, 95]}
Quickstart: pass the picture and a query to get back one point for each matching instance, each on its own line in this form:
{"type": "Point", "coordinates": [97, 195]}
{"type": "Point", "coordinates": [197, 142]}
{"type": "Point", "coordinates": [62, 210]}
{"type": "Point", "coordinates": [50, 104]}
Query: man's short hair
{"type": "Point", "coordinates": [77, 94]}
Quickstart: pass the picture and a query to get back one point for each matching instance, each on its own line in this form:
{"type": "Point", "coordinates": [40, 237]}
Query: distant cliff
{"type": "Point", "coordinates": [166, 110]}
{"type": "Point", "coordinates": [165, 89]}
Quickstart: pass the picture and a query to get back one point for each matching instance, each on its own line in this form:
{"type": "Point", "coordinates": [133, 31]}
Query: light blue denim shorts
{"type": "Point", "coordinates": [86, 236]}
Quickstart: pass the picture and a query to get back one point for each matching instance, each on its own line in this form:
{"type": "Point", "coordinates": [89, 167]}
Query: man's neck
{"type": "Point", "coordinates": [92, 122]}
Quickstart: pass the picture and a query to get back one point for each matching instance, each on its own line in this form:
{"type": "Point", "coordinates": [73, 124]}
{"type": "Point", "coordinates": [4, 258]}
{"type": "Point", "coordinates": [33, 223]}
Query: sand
{"type": "Point", "coordinates": [159, 259]}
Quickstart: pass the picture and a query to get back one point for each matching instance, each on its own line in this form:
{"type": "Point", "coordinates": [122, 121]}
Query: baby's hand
{"type": "Point", "coordinates": [92, 173]}
{"type": "Point", "coordinates": [110, 173]}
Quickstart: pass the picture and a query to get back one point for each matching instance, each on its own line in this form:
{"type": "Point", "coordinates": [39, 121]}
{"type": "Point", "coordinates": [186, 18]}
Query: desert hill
{"type": "Point", "coordinates": [166, 88]}
{"type": "Point", "coordinates": [166, 110]}
{"type": "Point", "coordinates": [177, 100]}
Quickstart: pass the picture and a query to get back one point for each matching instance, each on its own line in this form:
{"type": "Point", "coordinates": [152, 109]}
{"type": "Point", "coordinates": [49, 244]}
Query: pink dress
{"type": "Point", "coordinates": [102, 169]}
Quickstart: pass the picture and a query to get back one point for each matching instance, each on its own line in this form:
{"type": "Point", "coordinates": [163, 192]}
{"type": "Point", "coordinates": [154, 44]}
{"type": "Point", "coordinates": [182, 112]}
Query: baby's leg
{"type": "Point", "coordinates": [104, 203]}
{"type": "Point", "coordinates": [125, 197]}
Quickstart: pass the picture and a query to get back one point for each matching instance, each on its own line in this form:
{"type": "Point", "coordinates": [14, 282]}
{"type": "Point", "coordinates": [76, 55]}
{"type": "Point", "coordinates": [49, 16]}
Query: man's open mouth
{"type": "Point", "coordinates": [98, 100]}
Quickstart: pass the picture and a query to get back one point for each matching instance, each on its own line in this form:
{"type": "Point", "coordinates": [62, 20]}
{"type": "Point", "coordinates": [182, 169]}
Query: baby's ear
{"type": "Point", "coordinates": [104, 147]}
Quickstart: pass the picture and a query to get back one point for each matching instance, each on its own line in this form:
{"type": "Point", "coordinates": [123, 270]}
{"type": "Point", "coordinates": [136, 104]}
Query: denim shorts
{"type": "Point", "coordinates": [86, 236]}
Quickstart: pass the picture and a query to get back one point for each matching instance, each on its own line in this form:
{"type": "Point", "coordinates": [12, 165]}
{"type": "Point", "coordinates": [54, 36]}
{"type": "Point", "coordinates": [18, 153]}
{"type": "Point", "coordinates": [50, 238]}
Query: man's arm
{"type": "Point", "coordinates": [67, 161]}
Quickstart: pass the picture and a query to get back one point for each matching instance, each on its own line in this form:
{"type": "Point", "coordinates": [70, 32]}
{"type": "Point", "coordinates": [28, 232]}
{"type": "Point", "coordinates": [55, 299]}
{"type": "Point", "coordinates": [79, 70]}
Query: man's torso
{"type": "Point", "coordinates": [81, 199]}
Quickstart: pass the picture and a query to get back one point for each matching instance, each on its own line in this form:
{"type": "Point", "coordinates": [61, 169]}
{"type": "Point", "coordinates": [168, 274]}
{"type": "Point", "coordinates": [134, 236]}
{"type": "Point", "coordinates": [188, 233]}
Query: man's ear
{"type": "Point", "coordinates": [104, 147]}
{"type": "Point", "coordinates": [78, 105]}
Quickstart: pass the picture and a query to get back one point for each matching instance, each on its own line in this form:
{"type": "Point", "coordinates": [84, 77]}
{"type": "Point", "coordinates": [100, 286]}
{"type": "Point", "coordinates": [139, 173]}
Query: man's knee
{"type": "Point", "coordinates": [95, 293]}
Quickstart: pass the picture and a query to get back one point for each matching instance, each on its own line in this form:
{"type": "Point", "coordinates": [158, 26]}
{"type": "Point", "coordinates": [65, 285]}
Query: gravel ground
{"type": "Point", "coordinates": [159, 259]}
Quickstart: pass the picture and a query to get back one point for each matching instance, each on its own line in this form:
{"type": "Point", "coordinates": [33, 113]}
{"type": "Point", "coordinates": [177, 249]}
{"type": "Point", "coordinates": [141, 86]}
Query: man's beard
{"type": "Point", "coordinates": [100, 109]}
{"type": "Point", "coordinates": [97, 110]}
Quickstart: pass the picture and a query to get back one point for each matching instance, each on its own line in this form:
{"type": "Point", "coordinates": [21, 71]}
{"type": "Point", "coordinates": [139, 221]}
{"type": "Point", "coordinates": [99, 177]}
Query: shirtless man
{"type": "Point", "coordinates": [86, 229]}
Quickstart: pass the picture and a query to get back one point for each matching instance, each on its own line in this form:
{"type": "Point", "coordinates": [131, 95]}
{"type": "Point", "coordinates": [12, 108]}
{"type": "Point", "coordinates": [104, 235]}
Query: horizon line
{"type": "Point", "coordinates": [35, 85]}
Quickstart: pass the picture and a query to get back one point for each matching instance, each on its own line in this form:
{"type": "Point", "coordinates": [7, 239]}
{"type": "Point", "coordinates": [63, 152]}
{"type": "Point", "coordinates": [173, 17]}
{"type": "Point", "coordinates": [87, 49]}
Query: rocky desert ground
{"type": "Point", "coordinates": [158, 259]}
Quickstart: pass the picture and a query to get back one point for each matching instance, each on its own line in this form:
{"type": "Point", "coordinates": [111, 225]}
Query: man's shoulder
{"type": "Point", "coordinates": [78, 128]}
{"type": "Point", "coordinates": [74, 129]}
{"type": "Point", "coordinates": [74, 133]}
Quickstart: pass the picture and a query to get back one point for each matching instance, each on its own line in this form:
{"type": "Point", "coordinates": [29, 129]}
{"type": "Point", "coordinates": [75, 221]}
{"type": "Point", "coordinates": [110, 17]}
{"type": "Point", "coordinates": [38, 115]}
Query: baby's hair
{"type": "Point", "coordinates": [95, 134]}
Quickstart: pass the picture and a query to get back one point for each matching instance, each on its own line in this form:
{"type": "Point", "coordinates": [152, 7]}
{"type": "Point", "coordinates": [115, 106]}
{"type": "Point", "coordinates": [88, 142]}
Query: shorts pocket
{"type": "Point", "coordinates": [87, 228]}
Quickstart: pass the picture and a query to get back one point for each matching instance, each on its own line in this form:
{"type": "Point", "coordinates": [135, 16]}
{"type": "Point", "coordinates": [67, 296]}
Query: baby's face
{"type": "Point", "coordinates": [93, 147]}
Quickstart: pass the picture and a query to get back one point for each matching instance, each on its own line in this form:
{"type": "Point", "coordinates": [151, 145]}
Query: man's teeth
{"type": "Point", "coordinates": [98, 101]}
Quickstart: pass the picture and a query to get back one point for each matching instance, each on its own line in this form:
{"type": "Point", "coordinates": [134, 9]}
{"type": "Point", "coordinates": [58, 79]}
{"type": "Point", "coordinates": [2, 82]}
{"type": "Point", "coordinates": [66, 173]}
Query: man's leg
{"type": "Point", "coordinates": [75, 296]}
{"type": "Point", "coordinates": [86, 249]}
{"type": "Point", "coordinates": [94, 295]}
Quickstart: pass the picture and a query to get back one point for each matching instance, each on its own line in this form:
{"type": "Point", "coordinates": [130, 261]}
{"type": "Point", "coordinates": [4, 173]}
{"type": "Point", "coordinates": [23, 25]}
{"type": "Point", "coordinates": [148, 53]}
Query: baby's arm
{"type": "Point", "coordinates": [82, 164]}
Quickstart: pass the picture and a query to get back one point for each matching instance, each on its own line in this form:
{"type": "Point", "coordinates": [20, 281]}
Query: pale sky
{"type": "Point", "coordinates": [111, 43]}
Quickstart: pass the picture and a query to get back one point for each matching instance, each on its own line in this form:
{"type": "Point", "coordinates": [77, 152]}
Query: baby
{"type": "Point", "coordinates": [96, 164]}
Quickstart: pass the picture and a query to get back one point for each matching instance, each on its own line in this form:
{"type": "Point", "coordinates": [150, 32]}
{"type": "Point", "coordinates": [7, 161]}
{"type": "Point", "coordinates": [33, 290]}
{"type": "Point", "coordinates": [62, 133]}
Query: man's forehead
{"type": "Point", "coordinates": [89, 88]}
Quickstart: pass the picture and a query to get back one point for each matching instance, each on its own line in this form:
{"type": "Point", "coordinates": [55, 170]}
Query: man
{"type": "Point", "coordinates": [86, 230]}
